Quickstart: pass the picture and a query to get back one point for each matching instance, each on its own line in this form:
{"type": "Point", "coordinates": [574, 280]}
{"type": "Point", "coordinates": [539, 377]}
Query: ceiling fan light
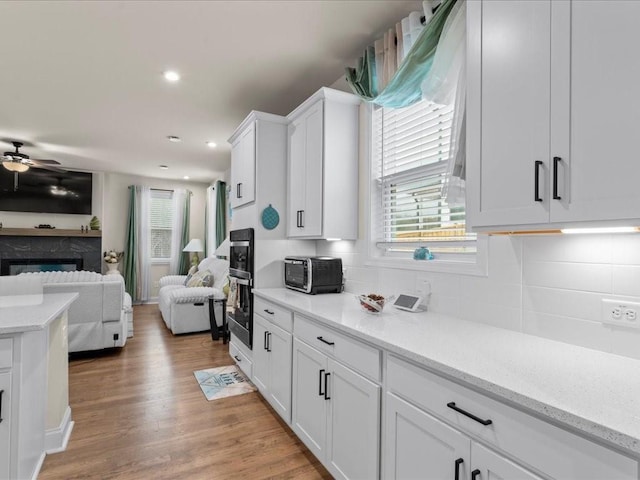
{"type": "Point", "coordinates": [14, 166]}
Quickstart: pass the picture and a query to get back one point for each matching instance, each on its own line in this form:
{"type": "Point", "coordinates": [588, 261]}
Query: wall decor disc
{"type": "Point", "coordinates": [270, 218]}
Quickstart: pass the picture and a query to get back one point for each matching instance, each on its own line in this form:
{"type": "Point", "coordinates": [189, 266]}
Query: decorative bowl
{"type": "Point", "coordinates": [373, 303]}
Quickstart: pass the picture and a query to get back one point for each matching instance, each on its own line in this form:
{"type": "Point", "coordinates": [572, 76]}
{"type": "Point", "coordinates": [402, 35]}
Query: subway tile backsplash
{"type": "Point", "coordinates": [549, 286]}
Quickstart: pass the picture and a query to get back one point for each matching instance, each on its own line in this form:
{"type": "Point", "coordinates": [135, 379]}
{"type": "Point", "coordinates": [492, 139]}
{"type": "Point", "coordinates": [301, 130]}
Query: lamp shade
{"type": "Point", "coordinates": [223, 249]}
{"type": "Point", "coordinates": [195, 245]}
{"type": "Point", "coordinates": [15, 166]}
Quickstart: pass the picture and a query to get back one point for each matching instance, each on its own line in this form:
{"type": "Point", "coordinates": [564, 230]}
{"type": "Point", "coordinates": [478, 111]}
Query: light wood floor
{"type": "Point", "coordinates": [140, 414]}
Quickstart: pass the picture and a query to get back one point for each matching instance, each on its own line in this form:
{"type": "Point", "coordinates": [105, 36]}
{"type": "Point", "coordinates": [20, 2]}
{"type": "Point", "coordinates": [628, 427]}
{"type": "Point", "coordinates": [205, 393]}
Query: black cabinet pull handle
{"type": "Point", "coordinates": [268, 311]}
{"type": "Point", "coordinates": [556, 161]}
{"type": "Point", "coordinates": [475, 474]}
{"type": "Point", "coordinates": [459, 461]}
{"type": "Point", "coordinates": [324, 341]}
{"type": "Point", "coordinates": [1, 392]}
{"type": "Point", "coordinates": [268, 341]}
{"type": "Point", "coordinates": [536, 182]}
{"type": "Point", "coordinates": [264, 346]}
{"type": "Point", "coordinates": [301, 218]}
{"type": "Point", "coordinates": [326, 387]}
{"type": "Point", "coordinates": [452, 405]}
{"type": "Point", "coordinates": [320, 392]}
{"type": "Point", "coordinates": [240, 190]}
{"type": "Point", "coordinates": [237, 358]}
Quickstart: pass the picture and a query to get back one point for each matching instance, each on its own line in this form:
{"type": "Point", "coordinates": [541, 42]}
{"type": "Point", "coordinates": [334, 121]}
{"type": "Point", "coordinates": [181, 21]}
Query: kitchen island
{"type": "Point", "coordinates": [33, 381]}
{"type": "Point", "coordinates": [428, 358]}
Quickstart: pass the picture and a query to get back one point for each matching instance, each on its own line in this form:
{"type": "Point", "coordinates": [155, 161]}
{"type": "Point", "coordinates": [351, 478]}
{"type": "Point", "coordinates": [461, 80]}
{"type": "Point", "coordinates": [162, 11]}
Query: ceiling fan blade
{"type": "Point", "coordinates": [37, 161]}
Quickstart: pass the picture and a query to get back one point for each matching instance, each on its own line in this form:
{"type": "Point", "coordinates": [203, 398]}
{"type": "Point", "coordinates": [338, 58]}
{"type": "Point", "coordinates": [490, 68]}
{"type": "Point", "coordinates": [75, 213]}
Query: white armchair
{"type": "Point", "coordinates": [186, 309]}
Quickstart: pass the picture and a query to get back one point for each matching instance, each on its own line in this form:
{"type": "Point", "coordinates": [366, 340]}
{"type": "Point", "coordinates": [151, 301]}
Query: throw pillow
{"type": "Point", "coordinates": [202, 278]}
{"type": "Point", "coordinates": [192, 271]}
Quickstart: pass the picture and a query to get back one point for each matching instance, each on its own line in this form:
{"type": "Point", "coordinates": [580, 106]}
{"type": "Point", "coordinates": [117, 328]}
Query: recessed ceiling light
{"type": "Point", "coordinates": [212, 144]}
{"type": "Point", "coordinates": [174, 139]}
{"type": "Point", "coordinates": [171, 76]}
{"type": "Point", "coordinates": [164, 167]}
{"type": "Point", "coordinates": [186, 177]}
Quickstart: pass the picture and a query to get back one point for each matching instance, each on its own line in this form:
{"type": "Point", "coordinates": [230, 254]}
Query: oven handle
{"type": "Point", "coordinates": [243, 243]}
{"type": "Point", "coordinates": [243, 281]}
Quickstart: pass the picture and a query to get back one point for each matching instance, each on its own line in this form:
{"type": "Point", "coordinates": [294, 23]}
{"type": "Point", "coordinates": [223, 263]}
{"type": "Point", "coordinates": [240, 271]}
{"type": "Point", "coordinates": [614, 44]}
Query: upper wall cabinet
{"type": "Point", "coordinates": [260, 138]}
{"type": "Point", "coordinates": [552, 110]}
{"type": "Point", "coordinates": [323, 167]}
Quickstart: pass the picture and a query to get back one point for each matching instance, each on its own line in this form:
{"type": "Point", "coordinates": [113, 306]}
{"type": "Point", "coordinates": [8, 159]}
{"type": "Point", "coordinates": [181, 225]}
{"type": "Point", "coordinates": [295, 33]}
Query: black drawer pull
{"type": "Point", "coordinates": [1, 392]}
{"type": "Point", "coordinates": [324, 341]}
{"type": "Point", "coordinates": [556, 161]}
{"type": "Point", "coordinates": [237, 358]}
{"type": "Point", "coordinates": [264, 341]}
{"type": "Point", "coordinates": [452, 405]}
{"type": "Point", "coordinates": [326, 387]}
{"type": "Point", "coordinates": [268, 341]}
{"type": "Point", "coordinates": [536, 195]}
{"type": "Point", "coordinates": [475, 473]}
{"type": "Point", "coordinates": [198, 304]}
{"type": "Point", "coordinates": [459, 461]}
{"type": "Point", "coordinates": [320, 392]}
{"type": "Point", "coordinates": [268, 311]}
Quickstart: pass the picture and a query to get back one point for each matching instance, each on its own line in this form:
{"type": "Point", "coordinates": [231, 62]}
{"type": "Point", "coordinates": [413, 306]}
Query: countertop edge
{"type": "Point", "coordinates": [63, 301]}
{"type": "Point", "coordinates": [570, 421]}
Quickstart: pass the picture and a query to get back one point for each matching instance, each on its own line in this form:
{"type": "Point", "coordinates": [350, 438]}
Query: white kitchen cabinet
{"type": "Point", "coordinates": [259, 172]}
{"type": "Point", "coordinates": [5, 423]}
{"type": "Point", "coordinates": [551, 109]}
{"type": "Point", "coordinates": [243, 167]}
{"type": "Point", "coordinates": [241, 355]}
{"type": "Point", "coordinates": [336, 413]}
{"type": "Point", "coordinates": [428, 416]}
{"type": "Point", "coordinates": [323, 167]}
{"type": "Point", "coordinates": [272, 364]}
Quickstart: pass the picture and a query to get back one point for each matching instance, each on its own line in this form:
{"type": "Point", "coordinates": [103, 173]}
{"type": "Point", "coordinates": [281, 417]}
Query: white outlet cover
{"type": "Point", "coordinates": [628, 313]}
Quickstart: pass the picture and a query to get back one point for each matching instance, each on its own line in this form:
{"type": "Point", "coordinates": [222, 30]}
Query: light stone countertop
{"type": "Point", "coordinates": [24, 313]}
{"type": "Point", "coordinates": [593, 392]}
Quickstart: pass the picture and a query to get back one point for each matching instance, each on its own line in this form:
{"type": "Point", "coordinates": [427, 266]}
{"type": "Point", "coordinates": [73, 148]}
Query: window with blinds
{"type": "Point", "coordinates": [410, 169]}
{"type": "Point", "coordinates": [160, 220]}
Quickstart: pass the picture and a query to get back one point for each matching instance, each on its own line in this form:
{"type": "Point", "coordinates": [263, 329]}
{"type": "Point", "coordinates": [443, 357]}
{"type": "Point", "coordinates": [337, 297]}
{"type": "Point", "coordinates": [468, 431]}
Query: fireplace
{"type": "Point", "coordinates": [15, 266]}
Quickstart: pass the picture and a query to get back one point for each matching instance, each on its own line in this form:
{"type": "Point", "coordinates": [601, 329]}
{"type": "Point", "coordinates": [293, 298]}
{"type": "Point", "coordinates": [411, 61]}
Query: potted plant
{"type": "Point", "coordinates": [112, 259]}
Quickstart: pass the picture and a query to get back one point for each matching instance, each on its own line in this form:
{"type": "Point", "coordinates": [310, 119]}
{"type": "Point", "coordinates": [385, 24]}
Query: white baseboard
{"type": "Point", "coordinates": [36, 471]}
{"type": "Point", "coordinates": [56, 439]}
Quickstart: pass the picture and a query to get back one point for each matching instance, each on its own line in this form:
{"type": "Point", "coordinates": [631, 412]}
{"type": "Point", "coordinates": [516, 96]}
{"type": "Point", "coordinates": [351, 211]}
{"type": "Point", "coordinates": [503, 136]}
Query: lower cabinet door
{"type": "Point", "coordinates": [417, 446]}
{"type": "Point", "coordinates": [279, 343]}
{"type": "Point", "coordinates": [309, 409]}
{"type": "Point", "coordinates": [353, 424]}
{"type": "Point", "coordinates": [260, 355]}
{"type": "Point", "coordinates": [5, 425]}
{"type": "Point", "coordinates": [492, 466]}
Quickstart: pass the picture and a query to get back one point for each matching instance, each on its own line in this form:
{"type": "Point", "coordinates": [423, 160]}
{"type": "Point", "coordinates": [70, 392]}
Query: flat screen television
{"type": "Point", "coordinates": [43, 191]}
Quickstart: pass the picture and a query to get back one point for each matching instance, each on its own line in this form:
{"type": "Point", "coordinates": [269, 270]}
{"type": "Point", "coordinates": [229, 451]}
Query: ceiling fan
{"type": "Point", "coordinates": [20, 162]}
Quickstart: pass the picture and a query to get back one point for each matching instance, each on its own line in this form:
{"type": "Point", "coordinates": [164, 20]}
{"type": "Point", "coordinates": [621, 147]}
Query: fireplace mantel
{"type": "Point", "coordinates": [48, 232]}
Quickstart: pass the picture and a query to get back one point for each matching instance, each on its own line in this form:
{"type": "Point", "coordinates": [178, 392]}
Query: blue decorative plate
{"type": "Point", "coordinates": [270, 218]}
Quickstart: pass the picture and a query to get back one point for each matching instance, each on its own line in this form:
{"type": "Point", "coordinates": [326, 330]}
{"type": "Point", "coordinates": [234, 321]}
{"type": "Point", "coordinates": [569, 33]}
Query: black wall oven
{"type": "Point", "coordinates": [240, 318]}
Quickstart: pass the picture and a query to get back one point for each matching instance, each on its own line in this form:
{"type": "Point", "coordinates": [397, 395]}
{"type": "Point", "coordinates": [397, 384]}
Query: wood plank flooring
{"type": "Point", "coordinates": [139, 413]}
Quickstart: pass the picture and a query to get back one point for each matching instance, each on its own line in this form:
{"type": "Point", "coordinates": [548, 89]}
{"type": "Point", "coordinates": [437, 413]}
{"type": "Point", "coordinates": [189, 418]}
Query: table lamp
{"type": "Point", "coordinates": [195, 246]}
{"type": "Point", "coordinates": [224, 249]}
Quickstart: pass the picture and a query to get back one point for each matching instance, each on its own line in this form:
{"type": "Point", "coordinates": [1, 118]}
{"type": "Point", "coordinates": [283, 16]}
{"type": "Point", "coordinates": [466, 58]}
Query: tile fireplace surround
{"type": "Point", "coordinates": [88, 249]}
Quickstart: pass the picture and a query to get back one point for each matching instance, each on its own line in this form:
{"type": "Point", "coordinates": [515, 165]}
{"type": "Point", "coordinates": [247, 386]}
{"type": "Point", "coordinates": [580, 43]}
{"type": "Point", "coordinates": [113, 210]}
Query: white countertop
{"type": "Point", "coordinates": [23, 313]}
{"type": "Point", "coordinates": [594, 392]}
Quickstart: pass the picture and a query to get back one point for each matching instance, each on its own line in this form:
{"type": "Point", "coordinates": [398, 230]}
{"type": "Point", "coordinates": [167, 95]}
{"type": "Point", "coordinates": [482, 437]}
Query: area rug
{"type": "Point", "coordinates": [223, 382]}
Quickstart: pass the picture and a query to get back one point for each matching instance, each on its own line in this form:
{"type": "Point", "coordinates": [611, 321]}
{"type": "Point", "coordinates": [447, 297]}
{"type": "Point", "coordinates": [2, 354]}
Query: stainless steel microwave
{"type": "Point", "coordinates": [313, 274]}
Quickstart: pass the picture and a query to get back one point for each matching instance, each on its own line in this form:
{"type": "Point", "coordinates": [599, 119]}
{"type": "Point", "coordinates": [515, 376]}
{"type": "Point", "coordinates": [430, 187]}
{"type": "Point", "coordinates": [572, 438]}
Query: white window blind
{"type": "Point", "coordinates": [410, 169]}
{"type": "Point", "coordinates": [161, 221]}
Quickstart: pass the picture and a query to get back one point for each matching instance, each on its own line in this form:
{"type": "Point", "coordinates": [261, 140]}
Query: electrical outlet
{"type": "Point", "coordinates": [620, 312]}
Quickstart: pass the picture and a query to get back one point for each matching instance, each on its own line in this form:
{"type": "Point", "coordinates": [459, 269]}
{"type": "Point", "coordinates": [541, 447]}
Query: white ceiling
{"type": "Point", "coordinates": [81, 81]}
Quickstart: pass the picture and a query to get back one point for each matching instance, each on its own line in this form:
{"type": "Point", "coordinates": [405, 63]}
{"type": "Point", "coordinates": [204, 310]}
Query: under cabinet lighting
{"type": "Point", "coordinates": [212, 144]}
{"type": "Point", "coordinates": [601, 230]}
{"type": "Point", "coordinates": [333, 239]}
{"type": "Point", "coordinates": [186, 177]}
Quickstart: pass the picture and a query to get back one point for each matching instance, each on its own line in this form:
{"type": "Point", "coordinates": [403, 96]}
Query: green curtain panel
{"type": "Point", "coordinates": [206, 223]}
{"type": "Point", "coordinates": [221, 208]}
{"type": "Point", "coordinates": [131, 250]}
{"type": "Point", "coordinates": [184, 264]}
{"type": "Point", "coordinates": [404, 89]}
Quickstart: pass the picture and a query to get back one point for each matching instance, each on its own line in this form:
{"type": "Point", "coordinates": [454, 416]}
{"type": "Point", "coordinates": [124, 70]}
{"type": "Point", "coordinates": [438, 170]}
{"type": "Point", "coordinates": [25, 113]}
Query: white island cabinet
{"type": "Point", "coordinates": [28, 371]}
{"type": "Point", "coordinates": [552, 108]}
{"type": "Point", "coordinates": [323, 167]}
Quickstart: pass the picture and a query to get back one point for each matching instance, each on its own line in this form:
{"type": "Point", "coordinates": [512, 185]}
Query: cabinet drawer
{"type": "Point", "coordinates": [349, 351]}
{"type": "Point", "coordinates": [276, 314]}
{"type": "Point", "coordinates": [242, 360]}
{"type": "Point", "coordinates": [536, 443]}
{"type": "Point", "coordinates": [6, 352]}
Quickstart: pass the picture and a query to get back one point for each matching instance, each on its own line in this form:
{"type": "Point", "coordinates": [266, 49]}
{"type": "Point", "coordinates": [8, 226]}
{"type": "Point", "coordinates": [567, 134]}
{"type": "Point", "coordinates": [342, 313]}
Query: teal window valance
{"type": "Point", "coordinates": [404, 88]}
